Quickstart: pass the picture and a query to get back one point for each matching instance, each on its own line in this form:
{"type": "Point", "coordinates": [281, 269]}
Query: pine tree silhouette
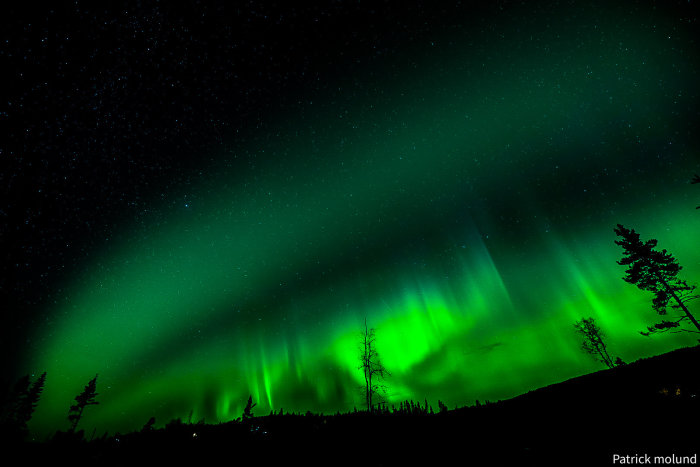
{"type": "Point", "coordinates": [248, 410]}
{"type": "Point", "coordinates": [82, 400]}
{"type": "Point", "coordinates": [656, 271]}
{"type": "Point", "coordinates": [148, 426]}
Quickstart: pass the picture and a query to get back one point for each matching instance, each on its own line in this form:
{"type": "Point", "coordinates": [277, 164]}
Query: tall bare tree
{"type": "Point", "coordinates": [372, 367]}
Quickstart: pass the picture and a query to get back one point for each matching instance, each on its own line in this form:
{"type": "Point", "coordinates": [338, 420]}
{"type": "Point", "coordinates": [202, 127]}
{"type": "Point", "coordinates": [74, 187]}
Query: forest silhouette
{"type": "Point", "coordinates": [577, 422]}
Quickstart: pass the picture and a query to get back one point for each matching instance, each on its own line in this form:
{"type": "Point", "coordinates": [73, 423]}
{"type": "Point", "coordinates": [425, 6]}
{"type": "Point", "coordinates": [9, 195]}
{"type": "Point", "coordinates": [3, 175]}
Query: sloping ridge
{"type": "Point", "coordinates": [674, 374]}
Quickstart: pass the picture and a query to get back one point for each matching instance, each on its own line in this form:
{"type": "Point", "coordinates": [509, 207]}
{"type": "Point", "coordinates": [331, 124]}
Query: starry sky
{"type": "Point", "coordinates": [203, 202]}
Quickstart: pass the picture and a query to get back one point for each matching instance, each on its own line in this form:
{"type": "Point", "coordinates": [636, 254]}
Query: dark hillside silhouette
{"type": "Point", "coordinates": [616, 410]}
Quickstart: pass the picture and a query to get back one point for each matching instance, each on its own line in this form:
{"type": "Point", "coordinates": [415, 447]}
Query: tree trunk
{"type": "Point", "coordinates": [603, 350]}
{"type": "Point", "coordinates": [369, 370]}
{"type": "Point", "coordinates": [680, 303]}
{"type": "Point", "coordinates": [366, 368]}
{"type": "Point", "coordinates": [77, 420]}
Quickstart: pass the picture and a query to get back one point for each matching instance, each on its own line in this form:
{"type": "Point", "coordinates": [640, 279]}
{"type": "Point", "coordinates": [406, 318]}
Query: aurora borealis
{"type": "Point", "coordinates": [460, 193]}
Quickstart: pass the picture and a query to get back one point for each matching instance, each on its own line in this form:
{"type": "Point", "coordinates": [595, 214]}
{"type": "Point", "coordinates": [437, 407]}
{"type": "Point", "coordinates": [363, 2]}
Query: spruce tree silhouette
{"type": "Point", "coordinates": [248, 410]}
{"type": "Point", "coordinates": [82, 400]}
{"type": "Point", "coordinates": [656, 271]}
{"type": "Point", "coordinates": [148, 426]}
{"type": "Point", "coordinates": [30, 401]}
{"type": "Point", "coordinates": [593, 341]}
{"type": "Point", "coordinates": [11, 403]}
{"type": "Point", "coordinates": [20, 405]}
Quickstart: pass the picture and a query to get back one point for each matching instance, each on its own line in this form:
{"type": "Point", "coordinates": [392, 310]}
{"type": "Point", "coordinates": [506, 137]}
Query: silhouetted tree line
{"type": "Point", "coordinates": [19, 403]}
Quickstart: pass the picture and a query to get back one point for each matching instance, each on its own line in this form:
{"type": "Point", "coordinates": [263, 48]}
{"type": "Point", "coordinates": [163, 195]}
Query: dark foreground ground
{"type": "Point", "coordinates": [649, 407]}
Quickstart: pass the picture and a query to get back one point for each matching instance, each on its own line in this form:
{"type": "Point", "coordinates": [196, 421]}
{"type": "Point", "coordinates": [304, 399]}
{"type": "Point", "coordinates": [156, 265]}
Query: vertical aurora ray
{"type": "Point", "coordinates": [459, 216]}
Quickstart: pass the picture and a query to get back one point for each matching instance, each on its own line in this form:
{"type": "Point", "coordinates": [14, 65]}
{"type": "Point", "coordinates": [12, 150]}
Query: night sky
{"type": "Point", "coordinates": [204, 202]}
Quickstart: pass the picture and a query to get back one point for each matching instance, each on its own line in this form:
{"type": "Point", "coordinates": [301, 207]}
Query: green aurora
{"type": "Point", "coordinates": [465, 207]}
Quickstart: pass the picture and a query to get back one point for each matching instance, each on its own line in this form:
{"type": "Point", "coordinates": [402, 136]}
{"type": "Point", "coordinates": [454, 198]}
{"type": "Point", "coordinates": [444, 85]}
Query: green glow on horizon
{"type": "Point", "coordinates": [261, 286]}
